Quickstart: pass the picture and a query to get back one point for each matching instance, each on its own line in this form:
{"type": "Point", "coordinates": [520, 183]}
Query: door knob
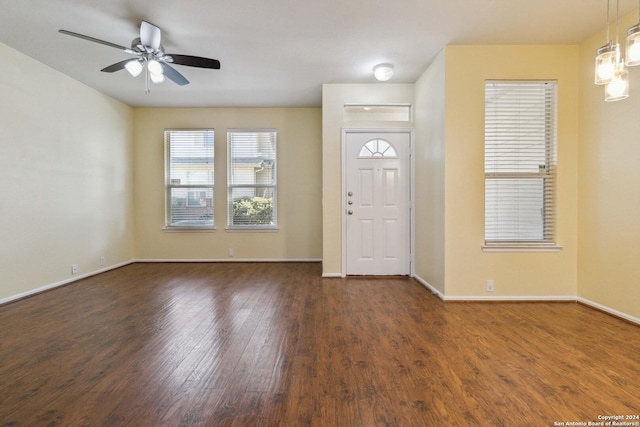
{"type": "Point", "coordinates": [349, 194]}
{"type": "Point", "coordinates": [350, 212]}
{"type": "Point", "coordinates": [350, 202]}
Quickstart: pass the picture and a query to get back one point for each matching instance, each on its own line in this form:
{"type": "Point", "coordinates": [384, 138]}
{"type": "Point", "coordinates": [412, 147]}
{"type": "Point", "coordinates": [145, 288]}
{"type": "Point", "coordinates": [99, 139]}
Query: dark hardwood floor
{"type": "Point", "coordinates": [270, 344]}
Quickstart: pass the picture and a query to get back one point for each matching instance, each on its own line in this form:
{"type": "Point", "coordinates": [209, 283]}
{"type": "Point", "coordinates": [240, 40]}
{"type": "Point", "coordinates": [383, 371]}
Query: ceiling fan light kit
{"type": "Point", "coordinates": [150, 57]}
{"type": "Point", "coordinates": [134, 67]}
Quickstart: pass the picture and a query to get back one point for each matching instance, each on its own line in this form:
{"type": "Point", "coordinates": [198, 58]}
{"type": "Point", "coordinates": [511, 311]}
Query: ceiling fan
{"type": "Point", "coordinates": [150, 57]}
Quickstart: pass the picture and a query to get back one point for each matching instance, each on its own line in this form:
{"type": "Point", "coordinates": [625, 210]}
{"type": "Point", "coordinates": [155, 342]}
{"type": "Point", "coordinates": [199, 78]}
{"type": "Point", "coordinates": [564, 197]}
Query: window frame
{"type": "Point", "coordinates": [519, 177]}
{"type": "Point", "coordinates": [172, 183]}
{"type": "Point", "coordinates": [389, 152]}
{"type": "Point", "coordinates": [272, 187]}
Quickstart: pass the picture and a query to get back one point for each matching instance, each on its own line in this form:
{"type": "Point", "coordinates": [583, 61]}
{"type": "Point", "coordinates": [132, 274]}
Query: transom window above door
{"type": "Point", "coordinates": [378, 147]}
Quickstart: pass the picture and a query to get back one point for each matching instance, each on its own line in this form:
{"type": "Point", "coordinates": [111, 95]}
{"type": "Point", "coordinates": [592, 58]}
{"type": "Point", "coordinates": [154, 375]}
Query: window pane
{"type": "Point", "coordinates": [191, 158]}
{"type": "Point", "coordinates": [514, 209]}
{"type": "Point", "coordinates": [252, 206]}
{"type": "Point", "coordinates": [518, 126]}
{"type": "Point", "coordinates": [377, 148]}
{"type": "Point", "coordinates": [378, 113]}
{"type": "Point", "coordinates": [250, 153]}
{"type": "Point", "coordinates": [190, 207]}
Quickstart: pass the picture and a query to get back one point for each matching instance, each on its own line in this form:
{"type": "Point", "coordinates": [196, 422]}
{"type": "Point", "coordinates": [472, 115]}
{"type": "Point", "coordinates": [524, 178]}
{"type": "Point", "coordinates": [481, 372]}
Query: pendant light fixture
{"type": "Point", "coordinates": [606, 58]}
{"type": "Point", "coordinates": [633, 43]}
{"type": "Point", "coordinates": [610, 69]}
{"type": "Point", "coordinates": [618, 88]}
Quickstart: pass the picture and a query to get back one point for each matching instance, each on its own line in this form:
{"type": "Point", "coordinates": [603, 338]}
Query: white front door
{"type": "Point", "coordinates": [377, 203]}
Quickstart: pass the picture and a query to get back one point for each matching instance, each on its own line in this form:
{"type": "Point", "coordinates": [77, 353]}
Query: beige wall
{"type": "Point", "coordinates": [429, 174]}
{"type": "Point", "coordinates": [65, 157]}
{"type": "Point", "coordinates": [609, 208]}
{"type": "Point", "coordinates": [334, 97]}
{"type": "Point", "coordinates": [299, 185]}
{"type": "Point", "coordinates": [467, 267]}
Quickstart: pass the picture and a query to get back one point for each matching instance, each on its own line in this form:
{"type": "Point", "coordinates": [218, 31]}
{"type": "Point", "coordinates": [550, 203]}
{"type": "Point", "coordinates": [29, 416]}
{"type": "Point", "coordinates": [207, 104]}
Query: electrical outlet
{"type": "Point", "coordinates": [74, 269]}
{"type": "Point", "coordinates": [490, 284]}
{"type": "Point", "coordinates": [230, 252]}
{"type": "Point", "coordinates": [102, 260]}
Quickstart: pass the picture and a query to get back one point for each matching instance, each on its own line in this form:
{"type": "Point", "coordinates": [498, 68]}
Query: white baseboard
{"type": "Point", "coordinates": [429, 287]}
{"type": "Point", "coordinates": [513, 298]}
{"type": "Point", "coordinates": [149, 260]}
{"type": "Point", "coordinates": [332, 275]}
{"type": "Point", "coordinates": [584, 301]}
{"type": "Point", "coordinates": [492, 298]}
{"type": "Point", "coordinates": [62, 283]}
{"type": "Point", "coordinates": [609, 310]}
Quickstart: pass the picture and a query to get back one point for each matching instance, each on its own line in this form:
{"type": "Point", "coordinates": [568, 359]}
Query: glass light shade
{"type": "Point", "coordinates": [618, 88]}
{"type": "Point", "coordinates": [633, 46]}
{"type": "Point", "coordinates": [155, 67]}
{"type": "Point", "coordinates": [134, 67]}
{"type": "Point", "coordinates": [156, 78]}
{"type": "Point", "coordinates": [606, 60]}
{"type": "Point", "coordinates": [383, 72]}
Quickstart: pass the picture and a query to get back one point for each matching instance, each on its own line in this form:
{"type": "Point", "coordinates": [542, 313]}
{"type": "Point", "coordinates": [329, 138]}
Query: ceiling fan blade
{"type": "Point", "coordinates": [173, 74]}
{"type": "Point", "coordinates": [195, 61]}
{"type": "Point", "coordinates": [150, 35]}
{"type": "Point", "coordinates": [93, 39]}
{"type": "Point", "coordinates": [116, 67]}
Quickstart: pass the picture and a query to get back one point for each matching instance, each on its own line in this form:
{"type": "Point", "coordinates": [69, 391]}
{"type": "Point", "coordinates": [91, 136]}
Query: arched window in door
{"type": "Point", "coordinates": [378, 147]}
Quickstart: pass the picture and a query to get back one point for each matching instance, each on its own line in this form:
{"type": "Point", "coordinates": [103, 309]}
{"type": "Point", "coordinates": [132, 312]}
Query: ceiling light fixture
{"type": "Point", "coordinates": [611, 68]}
{"type": "Point", "coordinates": [383, 72]}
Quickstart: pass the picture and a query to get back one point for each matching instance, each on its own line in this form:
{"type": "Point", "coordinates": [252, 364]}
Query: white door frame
{"type": "Point", "coordinates": [343, 192]}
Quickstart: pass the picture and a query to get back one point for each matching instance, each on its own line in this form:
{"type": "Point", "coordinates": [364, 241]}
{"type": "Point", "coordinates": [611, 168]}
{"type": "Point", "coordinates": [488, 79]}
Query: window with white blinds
{"type": "Point", "coordinates": [189, 178]}
{"type": "Point", "coordinates": [520, 162]}
{"type": "Point", "coordinates": [252, 178]}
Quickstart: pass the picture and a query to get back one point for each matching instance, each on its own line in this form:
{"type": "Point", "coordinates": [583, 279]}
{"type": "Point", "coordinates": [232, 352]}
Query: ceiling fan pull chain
{"type": "Point", "coordinates": [146, 81]}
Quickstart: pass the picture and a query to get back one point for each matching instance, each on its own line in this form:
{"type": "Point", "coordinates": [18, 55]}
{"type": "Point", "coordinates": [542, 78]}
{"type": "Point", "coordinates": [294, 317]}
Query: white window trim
{"type": "Point", "coordinates": [252, 229]}
{"type": "Point", "coordinates": [521, 247]}
{"type": "Point", "coordinates": [175, 229]}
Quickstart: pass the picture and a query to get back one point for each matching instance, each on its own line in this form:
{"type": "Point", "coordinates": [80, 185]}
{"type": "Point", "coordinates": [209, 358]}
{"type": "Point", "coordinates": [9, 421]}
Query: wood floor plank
{"type": "Point", "coordinates": [269, 344]}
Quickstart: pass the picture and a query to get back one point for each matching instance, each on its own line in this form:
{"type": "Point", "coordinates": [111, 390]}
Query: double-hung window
{"type": "Point", "coordinates": [520, 163]}
{"type": "Point", "coordinates": [189, 162]}
{"type": "Point", "coordinates": [252, 178]}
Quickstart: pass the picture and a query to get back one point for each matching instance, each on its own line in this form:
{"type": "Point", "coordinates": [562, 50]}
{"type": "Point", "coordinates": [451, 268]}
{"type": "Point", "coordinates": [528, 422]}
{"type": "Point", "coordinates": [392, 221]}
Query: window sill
{"type": "Point", "coordinates": [252, 229]}
{"type": "Point", "coordinates": [188, 230]}
{"type": "Point", "coordinates": [521, 248]}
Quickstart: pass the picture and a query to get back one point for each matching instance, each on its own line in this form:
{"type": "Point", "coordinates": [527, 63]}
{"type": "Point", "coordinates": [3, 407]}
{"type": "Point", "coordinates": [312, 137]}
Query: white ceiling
{"type": "Point", "coordinates": [279, 52]}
